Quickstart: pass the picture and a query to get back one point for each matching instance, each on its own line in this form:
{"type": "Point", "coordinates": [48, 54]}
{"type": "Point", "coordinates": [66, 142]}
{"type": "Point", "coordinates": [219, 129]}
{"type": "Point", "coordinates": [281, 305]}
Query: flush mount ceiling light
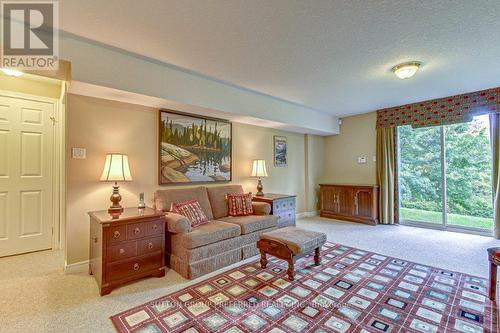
{"type": "Point", "coordinates": [406, 70]}
{"type": "Point", "coordinates": [11, 72]}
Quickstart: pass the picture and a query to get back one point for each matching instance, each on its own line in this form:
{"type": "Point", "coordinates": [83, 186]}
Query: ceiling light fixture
{"type": "Point", "coordinates": [11, 72]}
{"type": "Point", "coordinates": [406, 70]}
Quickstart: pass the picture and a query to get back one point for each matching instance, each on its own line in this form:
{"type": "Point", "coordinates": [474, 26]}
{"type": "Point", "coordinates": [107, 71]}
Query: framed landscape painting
{"type": "Point", "coordinates": [193, 149]}
{"type": "Point", "coordinates": [280, 151]}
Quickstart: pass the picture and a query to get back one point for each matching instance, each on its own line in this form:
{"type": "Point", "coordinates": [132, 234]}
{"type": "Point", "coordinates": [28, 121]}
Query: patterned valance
{"type": "Point", "coordinates": [448, 110]}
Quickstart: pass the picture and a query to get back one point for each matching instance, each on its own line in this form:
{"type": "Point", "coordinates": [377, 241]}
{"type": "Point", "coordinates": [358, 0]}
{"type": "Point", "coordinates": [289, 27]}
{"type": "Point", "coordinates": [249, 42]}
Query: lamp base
{"type": "Point", "coordinates": [115, 208]}
{"type": "Point", "coordinates": [259, 189]}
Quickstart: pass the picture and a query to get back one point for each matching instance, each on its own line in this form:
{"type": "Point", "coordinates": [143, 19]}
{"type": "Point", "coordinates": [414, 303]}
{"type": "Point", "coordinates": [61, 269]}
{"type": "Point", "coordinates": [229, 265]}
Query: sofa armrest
{"type": "Point", "coordinates": [177, 223]}
{"type": "Point", "coordinates": [261, 208]}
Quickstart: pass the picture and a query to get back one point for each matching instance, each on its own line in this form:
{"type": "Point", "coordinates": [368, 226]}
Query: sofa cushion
{"type": "Point", "coordinates": [192, 210]}
{"type": "Point", "coordinates": [218, 201]}
{"type": "Point", "coordinates": [252, 223]}
{"type": "Point", "coordinates": [213, 231]}
{"type": "Point", "coordinates": [163, 199]}
{"type": "Point", "coordinates": [239, 204]}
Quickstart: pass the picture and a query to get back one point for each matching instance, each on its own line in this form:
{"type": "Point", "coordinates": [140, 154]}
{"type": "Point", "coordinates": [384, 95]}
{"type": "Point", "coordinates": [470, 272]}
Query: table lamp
{"type": "Point", "coordinates": [116, 169]}
{"type": "Point", "coordinates": [259, 170]}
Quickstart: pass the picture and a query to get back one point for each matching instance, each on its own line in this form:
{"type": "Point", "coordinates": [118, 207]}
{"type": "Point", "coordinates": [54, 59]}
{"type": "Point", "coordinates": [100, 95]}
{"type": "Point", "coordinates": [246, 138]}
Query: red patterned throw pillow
{"type": "Point", "coordinates": [191, 210]}
{"type": "Point", "coordinates": [239, 204]}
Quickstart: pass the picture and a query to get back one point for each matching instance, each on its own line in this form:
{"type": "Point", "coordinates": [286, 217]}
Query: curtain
{"type": "Point", "coordinates": [495, 175]}
{"type": "Point", "coordinates": [441, 111]}
{"type": "Point", "coordinates": [386, 174]}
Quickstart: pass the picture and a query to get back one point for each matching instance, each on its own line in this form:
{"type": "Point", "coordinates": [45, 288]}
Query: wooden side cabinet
{"type": "Point", "coordinates": [282, 205]}
{"type": "Point", "coordinates": [356, 203]}
{"type": "Point", "coordinates": [126, 248]}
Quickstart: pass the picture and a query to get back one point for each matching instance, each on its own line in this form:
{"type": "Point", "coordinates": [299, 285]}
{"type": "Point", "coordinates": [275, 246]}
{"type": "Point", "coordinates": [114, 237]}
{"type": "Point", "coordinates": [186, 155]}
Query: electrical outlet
{"type": "Point", "coordinates": [79, 153]}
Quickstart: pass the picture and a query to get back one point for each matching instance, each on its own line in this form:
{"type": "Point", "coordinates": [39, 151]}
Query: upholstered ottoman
{"type": "Point", "coordinates": [289, 244]}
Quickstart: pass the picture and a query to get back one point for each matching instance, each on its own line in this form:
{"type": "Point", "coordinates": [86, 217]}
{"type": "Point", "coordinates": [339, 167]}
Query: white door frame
{"type": "Point", "coordinates": [59, 171]}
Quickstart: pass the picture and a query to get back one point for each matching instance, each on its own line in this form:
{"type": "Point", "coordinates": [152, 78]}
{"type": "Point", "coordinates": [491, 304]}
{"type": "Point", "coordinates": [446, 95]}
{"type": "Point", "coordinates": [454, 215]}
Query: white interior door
{"type": "Point", "coordinates": [26, 175]}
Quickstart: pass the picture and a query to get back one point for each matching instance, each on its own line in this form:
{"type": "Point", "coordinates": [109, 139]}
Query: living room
{"type": "Point", "coordinates": [265, 172]}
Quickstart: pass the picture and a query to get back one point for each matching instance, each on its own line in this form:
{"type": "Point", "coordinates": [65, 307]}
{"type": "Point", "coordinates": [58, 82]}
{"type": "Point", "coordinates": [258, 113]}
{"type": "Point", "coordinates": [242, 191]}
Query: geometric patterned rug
{"type": "Point", "coordinates": [351, 291]}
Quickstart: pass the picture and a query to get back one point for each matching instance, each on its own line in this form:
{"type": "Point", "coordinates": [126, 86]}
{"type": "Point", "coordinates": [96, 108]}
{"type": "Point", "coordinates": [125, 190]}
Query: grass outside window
{"type": "Point", "coordinates": [453, 219]}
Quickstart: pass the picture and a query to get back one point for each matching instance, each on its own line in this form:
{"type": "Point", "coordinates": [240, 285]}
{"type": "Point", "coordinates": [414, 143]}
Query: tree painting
{"type": "Point", "coordinates": [193, 149]}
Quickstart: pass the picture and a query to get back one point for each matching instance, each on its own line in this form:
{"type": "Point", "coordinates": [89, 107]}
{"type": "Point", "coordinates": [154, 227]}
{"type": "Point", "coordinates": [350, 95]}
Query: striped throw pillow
{"type": "Point", "coordinates": [191, 210]}
{"type": "Point", "coordinates": [239, 204]}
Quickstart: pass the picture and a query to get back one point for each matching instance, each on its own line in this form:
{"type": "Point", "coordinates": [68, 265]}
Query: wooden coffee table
{"type": "Point", "coordinates": [289, 244]}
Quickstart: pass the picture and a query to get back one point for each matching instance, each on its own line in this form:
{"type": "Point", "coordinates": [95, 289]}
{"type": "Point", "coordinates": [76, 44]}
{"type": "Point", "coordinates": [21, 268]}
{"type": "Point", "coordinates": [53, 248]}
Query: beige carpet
{"type": "Point", "coordinates": [36, 295]}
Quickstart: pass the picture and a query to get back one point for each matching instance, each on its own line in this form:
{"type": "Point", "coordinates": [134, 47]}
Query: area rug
{"type": "Point", "coordinates": [351, 291]}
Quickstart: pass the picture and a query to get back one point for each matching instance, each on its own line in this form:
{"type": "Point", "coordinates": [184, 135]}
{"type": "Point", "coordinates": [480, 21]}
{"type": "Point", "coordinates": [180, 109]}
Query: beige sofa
{"type": "Point", "coordinates": [225, 240]}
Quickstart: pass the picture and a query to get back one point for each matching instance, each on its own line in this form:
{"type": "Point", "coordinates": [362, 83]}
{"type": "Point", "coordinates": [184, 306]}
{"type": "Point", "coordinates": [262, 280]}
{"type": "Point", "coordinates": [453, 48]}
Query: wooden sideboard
{"type": "Point", "coordinates": [126, 248]}
{"type": "Point", "coordinates": [356, 203]}
{"type": "Point", "coordinates": [282, 205]}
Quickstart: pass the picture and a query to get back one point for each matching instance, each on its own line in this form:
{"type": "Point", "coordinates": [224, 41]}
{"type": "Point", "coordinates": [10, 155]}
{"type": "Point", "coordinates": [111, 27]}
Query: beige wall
{"type": "Point", "coordinates": [103, 126]}
{"type": "Point", "coordinates": [314, 173]}
{"type": "Point", "coordinates": [357, 138]}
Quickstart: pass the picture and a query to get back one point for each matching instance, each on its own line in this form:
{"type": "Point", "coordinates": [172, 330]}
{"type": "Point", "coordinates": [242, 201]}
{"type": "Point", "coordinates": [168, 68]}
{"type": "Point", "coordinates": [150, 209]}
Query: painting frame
{"type": "Point", "coordinates": [161, 179]}
{"type": "Point", "coordinates": [280, 143]}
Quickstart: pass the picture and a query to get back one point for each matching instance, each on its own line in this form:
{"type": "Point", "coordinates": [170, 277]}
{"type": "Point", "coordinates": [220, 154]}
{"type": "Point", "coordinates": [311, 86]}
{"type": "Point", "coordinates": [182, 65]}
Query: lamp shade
{"type": "Point", "coordinates": [116, 168]}
{"type": "Point", "coordinates": [259, 168]}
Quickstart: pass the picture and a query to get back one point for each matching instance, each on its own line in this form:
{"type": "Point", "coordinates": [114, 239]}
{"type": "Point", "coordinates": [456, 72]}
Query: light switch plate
{"type": "Point", "coordinates": [79, 153]}
{"type": "Point", "coordinates": [361, 159]}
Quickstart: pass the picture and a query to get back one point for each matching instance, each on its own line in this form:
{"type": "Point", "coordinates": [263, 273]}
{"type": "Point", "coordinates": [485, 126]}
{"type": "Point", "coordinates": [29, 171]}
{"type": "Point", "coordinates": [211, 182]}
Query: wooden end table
{"type": "Point", "coordinates": [127, 247]}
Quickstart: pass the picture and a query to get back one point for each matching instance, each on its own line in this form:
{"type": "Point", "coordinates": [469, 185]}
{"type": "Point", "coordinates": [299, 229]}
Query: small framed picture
{"type": "Point", "coordinates": [280, 151]}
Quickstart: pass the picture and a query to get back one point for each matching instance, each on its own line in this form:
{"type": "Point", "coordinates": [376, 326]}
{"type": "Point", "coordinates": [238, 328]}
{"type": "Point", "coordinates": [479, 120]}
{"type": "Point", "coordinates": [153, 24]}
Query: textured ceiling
{"type": "Point", "coordinates": [330, 55]}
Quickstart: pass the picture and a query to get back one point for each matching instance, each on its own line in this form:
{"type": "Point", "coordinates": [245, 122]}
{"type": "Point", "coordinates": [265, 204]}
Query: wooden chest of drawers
{"type": "Point", "coordinates": [127, 248]}
{"type": "Point", "coordinates": [282, 205]}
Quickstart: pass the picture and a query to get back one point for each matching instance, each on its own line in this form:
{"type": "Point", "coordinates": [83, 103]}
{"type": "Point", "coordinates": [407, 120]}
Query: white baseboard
{"type": "Point", "coordinates": [307, 214]}
{"type": "Point", "coordinates": [77, 267]}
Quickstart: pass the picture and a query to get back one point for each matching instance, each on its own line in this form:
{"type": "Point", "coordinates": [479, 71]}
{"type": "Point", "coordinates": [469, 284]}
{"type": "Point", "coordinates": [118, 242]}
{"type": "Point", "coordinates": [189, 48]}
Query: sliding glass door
{"type": "Point", "coordinates": [445, 175]}
{"type": "Point", "coordinates": [420, 176]}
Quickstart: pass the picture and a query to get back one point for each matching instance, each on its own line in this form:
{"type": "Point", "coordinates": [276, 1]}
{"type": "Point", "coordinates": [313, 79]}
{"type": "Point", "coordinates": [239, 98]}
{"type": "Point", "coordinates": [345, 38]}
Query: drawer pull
{"type": "Point", "coordinates": [150, 245]}
{"type": "Point", "coordinates": [136, 267]}
{"type": "Point", "coordinates": [122, 251]}
{"type": "Point", "coordinates": [116, 234]}
{"type": "Point", "coordinates": [155, 226]}
{"type": "Point", "coordinates": [137, 230]}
